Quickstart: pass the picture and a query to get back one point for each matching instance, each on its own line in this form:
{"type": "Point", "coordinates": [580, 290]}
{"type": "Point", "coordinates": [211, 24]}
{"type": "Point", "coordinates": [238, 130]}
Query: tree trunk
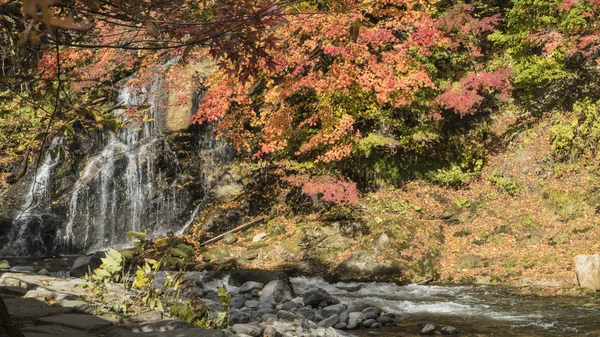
{"type": "Point", "coordinates": [7, 328]}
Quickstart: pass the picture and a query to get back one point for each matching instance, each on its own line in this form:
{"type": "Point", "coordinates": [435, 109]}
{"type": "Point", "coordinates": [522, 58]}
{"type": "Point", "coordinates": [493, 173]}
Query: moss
{"type": "Point", "coordinates": [274, 229]}
{"type": "Point", "coordinates": [566, 205]}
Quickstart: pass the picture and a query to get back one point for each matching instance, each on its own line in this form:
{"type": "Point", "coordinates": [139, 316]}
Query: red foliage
{"type": "Point", "coordinates": [327, 187]}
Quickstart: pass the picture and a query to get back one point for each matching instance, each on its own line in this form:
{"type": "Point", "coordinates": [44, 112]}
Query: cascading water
{"type": "Point", "coordinates": [131, 183]}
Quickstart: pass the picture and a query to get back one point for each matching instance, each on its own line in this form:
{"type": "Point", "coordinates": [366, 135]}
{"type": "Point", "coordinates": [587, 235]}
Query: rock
{"type": "Point", "coordinates": [44, 294]}
{"type": "Point", "coordinates": [289, 305]}
{"type": "Point", "coordinates": [266, 306]}
{"type": "Point", "coordinates": [81, 306]}
{"type": "Point", "coordinates": [385, 320]}
{"type": "Point", "coordinates": [252, 304]}
{"type": "Point", "coordinates": [265, 310]}
{"type": "Point", "coordinates": [229, 239]}
{"type": "Point", "coordinates": [356, 318]}
{"type": "Point", "coordinates": [238, 317]}
{"type": "Point", "coordinates": [269, 318]}
{"type": "Point", "coordinates": [318, 295]}
{"type": "Point", "coordinates": [4, 264]}
{"type": "Point", "coordinates": [350, 289]}
{"type": "Point", "coordinates": [329, 321]}
{"type": "Point", "coordinates": [428, 329]}
{"type": "Point", "coordinates": [286, 315]}
{"type": "Point", "coordinates": [259, 237]}
{"type": "Point", "coordinates": [351, 326]}
{"type": "Point", "coordinates": [276, 292]}
{"type": "Point", "coordinates": [340, 326]}
{"type": "Point", "coordinates": [237, 302]}
{"type": "Point", "coordinates": [250, 254]}
{"type": "Point", "coordinates": [371, 312]}
{"type": "Point", "coordinates": [247, 329]}
{"type": "Point", "coordinates": [188, 332]}
{"type": "Point", "coordinates": [255, 293]}
{"type": "Point", "coordinates": [44, 272]}
{"type": "Point", "coordinates": [368, 323]}
{"type": "Point", "coordinates": [307, 313]}
{"type": "Point", "coordinates": [155, 326]}
{"type": "Point", "coordinates": [249, 286]}
{"type": "Point", "coordinates": [322, 304]}
{"type": "Point", "coordinates": [17, 291]}
{"type": "Point", "coordinates": [81, 265]}
{"type": "Point", "coordinates": [449, 330]}
{"type": "Point", "coordinates": [587, 271]}
{"type": "Point", "coordinates": [468, 262]}
{"type": "Point", "coordinates": [22, 308]}
{"type": "Point", "coordinates": [333, 309]}
{"type": "Point", "coordinates": [365, 266]}
{"type": "Point", "coordinates": [376, 326]}
{"type": "Point", "coordinates": [270, 332]}
{"type": "Point", "coordinates": [240, 276]}
{"type": "Point", "coordinates": [22, 269]}
{"type": "Point", "coordinates": [344, 316]}
{"type": "Point", "coordinates": [53, 330]}
{"type": "Point", "coordinates": [79, 321]}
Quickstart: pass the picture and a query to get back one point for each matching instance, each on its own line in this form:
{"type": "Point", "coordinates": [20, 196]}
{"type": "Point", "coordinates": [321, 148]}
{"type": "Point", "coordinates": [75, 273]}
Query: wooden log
{"type": "Point", "coordinates": [237, 229]}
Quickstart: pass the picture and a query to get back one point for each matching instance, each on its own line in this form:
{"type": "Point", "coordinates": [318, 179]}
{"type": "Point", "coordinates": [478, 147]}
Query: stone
{"type": "Point", "coordinates": [289, 305]}
{"type": "Point", "coordinates": [268, 318]}
{"type": "Point", "coordinates": [270, 332]}
{"type": "Point", "coordinates": [329, 321]}
{"type": "Point", "coordinates": [28, 308]}
{"type": "Point", "coordinates": [240, 276]}
{"type": "Point", "coordinates": [368, 323]}
{"type": "Point", "coordinates": [266, 306]}
{"type": "Point", "coordinates": [247, 287]}
{"type": "Point", "coordinates": [265, 311]}
{"type": "Point", "coordinates": [318, 295]}
{"type": "Point", "coordinates": [17, 291]}
{"type": "Point", "coordinates": [252, 304]}
{"type": "Point", "coordinates": [587, 271]}
{"type": "Point", "coordinates": [250, 254]}
{"type": "Point", "coordinates": [187, 332]}
{"type": "Point", "coordinates": [356, 318]}
{"type": "Point", "coordinates": [376, 326]}
{"type": "Point", "coordinates": [449, 330]}
{"type": "Point", "coordinates": [333, 309]}
{"type": "Point", "coordinates": [229, 239]}
{"type": "Point", "coordinates": [351, 326]}
{"type": "Point", "coordinates": [44, 294]}
{"type": "Point", "coordinates": [22, 269]}
{"type": "Point", "coordinates": [255, 293]}
{"type": "Point", "coordinates": [371, 312]}
{"type": "Point", "coordinates": [44, 272]}
{"type": "Point", "coordinates": [286, 315]}
{"type": "Point", "coordinates": [237, 302]}
{"type": "Point", "coordinates": [152, 315]}
{"type": "Point", "coordinates": [247, 329]}
{"type": "Point", "coordinates": [344, 316]}
{"type": "Point", "coordinates": [238, 317]}
{"type": "Point", "coordinates": [259, 237]}
{"type": "Point", "coordinates": [4, 264]}
{"type": "Point", "coordinates": [428, 329]}
{"type": "Point", "coordinates": [307, 313]}
{"type": "Point", "coordinates": [385, 319]}
{"type": "Point", "coordinates": [155, 326]}
{"type": "Point", "coordinates": [80, 306]}
{"type": "Point", "coordinates": [276, 292]}
{"type": "Point", "coordinates": [468, 262]}
{"type": "Point", "coordinates": [340, 326]}
{"type": "Point", "coordinates": [79, 321]}
{"type": "Point", "coordinates": [53, 330]}
{"type": "Point", "coordinates": [364, 265]}
{"type": "Point", "coordinates": [83, 263]}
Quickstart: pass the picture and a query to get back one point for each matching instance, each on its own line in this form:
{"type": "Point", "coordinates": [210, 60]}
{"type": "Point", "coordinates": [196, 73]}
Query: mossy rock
{"type": "Point", "coordinates": [424, 271]}
{"type": "Point", "coordinates": [218, 253]}
{"type": "Point", "coordinates": [274, 229]}
{"type": "Point", "coordinates": [469, 262]}
{"type": "Point", "coordinates": [566, 205]}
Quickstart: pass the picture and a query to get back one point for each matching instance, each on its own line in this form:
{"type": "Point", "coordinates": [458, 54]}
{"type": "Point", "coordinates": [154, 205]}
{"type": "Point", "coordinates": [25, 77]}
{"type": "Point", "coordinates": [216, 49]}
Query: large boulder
{"type": "Point", "coordinates": [587, 271]}
{"type": "Point", "coordinates": [276, 292]}
{"type": "Point", "coordinates": [318, 295]}
{"type": "Point", "coordinates": [240, 276]}
{"type": "Point", "coordinates": [363, 266]}
{"type": "Point", "coordinates": [82, 263]}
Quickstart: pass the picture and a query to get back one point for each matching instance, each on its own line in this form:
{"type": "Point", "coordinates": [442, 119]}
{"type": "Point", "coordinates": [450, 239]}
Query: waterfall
{"type": "Point", "coordinates": [132, 182]}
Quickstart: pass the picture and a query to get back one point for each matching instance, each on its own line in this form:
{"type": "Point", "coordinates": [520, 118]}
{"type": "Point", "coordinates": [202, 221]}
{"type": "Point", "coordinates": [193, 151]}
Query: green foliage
{"type": "Point", "coordinates": [580, 135]}
{"type": "Point", "coordinates": [111, 267]}
{"type": "Point", "coordinates": [566, 205]}
{"type": "Point", "coordinates": [504, 184]}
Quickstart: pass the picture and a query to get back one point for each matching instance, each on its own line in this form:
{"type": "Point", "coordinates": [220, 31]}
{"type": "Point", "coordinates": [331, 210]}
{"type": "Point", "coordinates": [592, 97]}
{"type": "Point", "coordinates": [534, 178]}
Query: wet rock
{"type": "Point", "coordinates": [229, 239]}
{"type": "Point", "coordinates": [237, 302]}
{"type": "Point", "coordinates": [587, 271]}
{"type": "Point", "coordinates": [4, 264]}
{"type": "Point", "coordinates": [238, 317]}
{"type": "Point", "coordinates": [340, 326]}
{"type": "Point", "coordinates": [344, 316]}
{"type": "Point", "coordinates": [368, 323]}
{"type": "Point", "coordinates": [252, 304]}
{"type": "Point", "coordinates": [376, 326]}
{"type": "Point", "coordinates": [22, 269]}
{"type": "Point", "coordinates": [428, 329]}
{"type": "Point", "coordinates": [329, 321]}
{"type": "Point", "coordinates": [318, 295]}
{"type": "Point", "coordinates": [276, 292]}
{"type": "Point", "coordinates": [247, 287]}
{"type": "Point", "coordinates": [371, 312]}
{"type": "Point", "coordinates": [255, 293]}
{"type": "Point", "coordinates": [385, 320]}
{"type": "Point", "coordinates": [286, 315]}
{"type": "Point", "coordinates": [266, 306]}
{"type": "Point", "coordinates": [265, 310]}
{"type": "Point", "coordinates": [247, 329]}
{"type": "Point", "coordinates": [289, 305]}
{"type": "Point", "coordinates": [268, 318]}
{"type": "Point", "coordinates": [307, 313]}
{"type": "Point", "coordinates": [249, 254]}
{"type": "Point", "coordinates": [356, 318]}
{"type": "Point", "coordinates": [350, 289]}
{"type": "Point", "coordinates": [83, 263]}
{"type": "Point", "coordinates": [449, 330]}
{"type": "Point", "coordinates": [333, 309]}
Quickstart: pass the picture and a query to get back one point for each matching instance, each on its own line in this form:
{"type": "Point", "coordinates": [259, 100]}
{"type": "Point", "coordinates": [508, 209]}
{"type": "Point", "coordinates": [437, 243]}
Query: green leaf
{"type": "Point", "coordinates": [141, 236]}
{"type": "Point", "coordinates": [178, 252]}
{"type": "Point", "coordinates": [189, 250]}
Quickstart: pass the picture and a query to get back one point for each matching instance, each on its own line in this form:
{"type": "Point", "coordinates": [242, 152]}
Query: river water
{"type": "Point", "coordinates": [474, 310]}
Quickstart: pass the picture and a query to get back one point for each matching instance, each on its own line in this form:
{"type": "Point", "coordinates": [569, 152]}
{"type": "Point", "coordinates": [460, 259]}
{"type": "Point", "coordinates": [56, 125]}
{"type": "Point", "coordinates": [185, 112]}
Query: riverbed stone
{"type": "Point", "coordinates": [340, 326]}
{"type": "Point", "coordinates": [329, 321]}
{"type": "Point", "coordinates": [286, 315]}
{"type": "Point", "coordinates": [449, 330]}
{"type": "Point", "coordinates": [315, 296]}
{"type": "Point", "coordinates": [188, 332]}
{"type": "Point", "coordinates": [240, 276]}
{"type": "Point", "coordinates": [428, 329]}
{"type": "Point", "coordinates": [247, 329]}
{"type": "Point", "coordinates": [368, 323]}
{"type": "Point", "coordinates": [356, 318]}
{"type": "Point", "coordinates": [79, 321]}
{"type": "Point", "coordinates": [587, 271]}
{"type": "Point", "coordinates": [4, 264]}
{"type": "Point", "coordinates": [22, 269]}
{"type": "Point", "coordinates": [155, 326]}
{"type": "Point", "coordinates": [247, 287]}
{"type": "Point", "coordinates": [333, 309]}
{"type": "Point", "coordinates": [371, 312]}
{"type": "Point", "coordinates": [276, 292]}
{"type": "Point", "coordinates": [289, 305]}
{"type": "Point", "coordinates": [237, 302]}
{"type": "Point", "coordinates": [385, 319]}
{"type": "Point", "coordinates": [238, 317]}
{"type": "Point", "coordinates": [252, 304]}
{"type": "Point", "coordinates": [308, 313]}
{"type": "Point", "coordinates": [31, 308]}
{"type": "Point", "coordinates": [44, 272]}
